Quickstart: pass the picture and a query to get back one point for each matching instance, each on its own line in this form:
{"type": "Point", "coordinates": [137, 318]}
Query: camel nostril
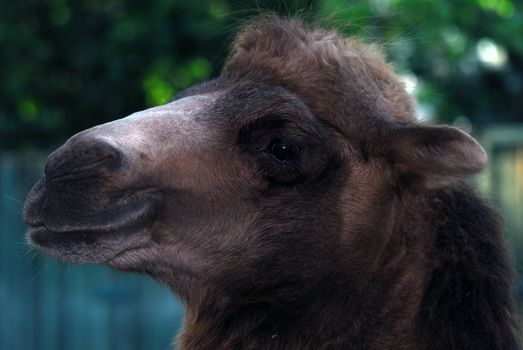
{"type": "Point", "coordinates": [83, 154]}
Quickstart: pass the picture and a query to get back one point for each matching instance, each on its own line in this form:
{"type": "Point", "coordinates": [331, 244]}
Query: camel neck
{"type": "Point", "coordinates": [333, 316]}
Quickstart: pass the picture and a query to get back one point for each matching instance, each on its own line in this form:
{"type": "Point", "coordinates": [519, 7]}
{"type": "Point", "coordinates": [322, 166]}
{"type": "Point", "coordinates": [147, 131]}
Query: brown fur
{"type": "Point", "coordinates": [370, 238]}
{"type": "Point", "coordinates": [402, 271]}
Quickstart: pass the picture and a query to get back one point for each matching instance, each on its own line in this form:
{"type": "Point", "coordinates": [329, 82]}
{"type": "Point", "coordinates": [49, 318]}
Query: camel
{"type": "Point", "coordinates": [293, 202]}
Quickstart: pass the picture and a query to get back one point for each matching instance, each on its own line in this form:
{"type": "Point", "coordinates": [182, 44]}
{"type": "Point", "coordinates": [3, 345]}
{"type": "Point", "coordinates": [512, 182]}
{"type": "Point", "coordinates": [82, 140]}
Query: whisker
{"type": "Point", "coordinates": [16, 200]}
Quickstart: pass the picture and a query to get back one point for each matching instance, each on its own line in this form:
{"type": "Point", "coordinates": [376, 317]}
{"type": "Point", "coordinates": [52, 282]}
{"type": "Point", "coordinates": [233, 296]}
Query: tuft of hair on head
{"type": "Point", "coordinates": [314, 61]}
{"type": "Point", "coordinates": [273, 36]}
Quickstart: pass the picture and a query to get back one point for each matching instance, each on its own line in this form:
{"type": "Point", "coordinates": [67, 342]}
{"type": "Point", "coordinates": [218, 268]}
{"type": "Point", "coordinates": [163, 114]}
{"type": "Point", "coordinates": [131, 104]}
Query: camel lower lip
{"type": "Point", "coordinates": [85, 247]}
{"type": "Point", "coordinates": [43, 237]}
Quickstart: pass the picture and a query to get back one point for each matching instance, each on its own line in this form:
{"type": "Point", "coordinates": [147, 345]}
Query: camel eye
{"type": "Point", "coordinates": [284, 151]}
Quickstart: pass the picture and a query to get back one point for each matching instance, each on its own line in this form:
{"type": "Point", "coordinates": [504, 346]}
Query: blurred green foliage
{"type": "Point", "coordinates": [68, 65]}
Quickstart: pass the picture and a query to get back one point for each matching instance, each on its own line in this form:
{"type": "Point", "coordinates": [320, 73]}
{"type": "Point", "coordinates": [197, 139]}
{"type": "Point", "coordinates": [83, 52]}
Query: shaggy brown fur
{"type": "Point", "coordinates": [438, 279]}
{"type": "Point", "coordinates": [364, 236]}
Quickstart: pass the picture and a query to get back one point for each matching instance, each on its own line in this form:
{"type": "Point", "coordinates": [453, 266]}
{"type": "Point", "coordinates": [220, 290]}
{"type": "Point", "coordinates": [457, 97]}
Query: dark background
{"type": "Point", "coordinates": [69, 65]}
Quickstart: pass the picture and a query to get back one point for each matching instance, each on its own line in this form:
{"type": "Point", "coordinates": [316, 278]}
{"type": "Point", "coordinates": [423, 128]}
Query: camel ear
{"type": "Point", "coordinates": [435, 156]}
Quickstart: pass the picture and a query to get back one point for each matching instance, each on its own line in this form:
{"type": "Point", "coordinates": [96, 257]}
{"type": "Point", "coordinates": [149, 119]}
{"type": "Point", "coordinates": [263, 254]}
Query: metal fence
{"type": "Point", "coordinates": [46, 305]}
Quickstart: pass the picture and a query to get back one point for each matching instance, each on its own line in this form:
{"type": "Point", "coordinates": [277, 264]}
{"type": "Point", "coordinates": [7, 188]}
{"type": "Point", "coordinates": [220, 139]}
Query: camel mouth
{"type": "Point", "coordinates": [133, 214]}
{"type": "Point", "coordinates": [113, 217]}
{"type": "Point", "coordinates": [121, 228]}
